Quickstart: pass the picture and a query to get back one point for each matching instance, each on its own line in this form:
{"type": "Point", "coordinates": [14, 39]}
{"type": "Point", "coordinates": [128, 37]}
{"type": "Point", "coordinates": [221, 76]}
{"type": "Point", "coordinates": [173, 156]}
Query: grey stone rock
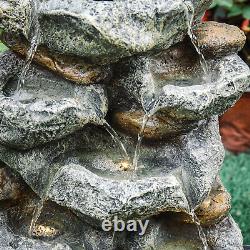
{"type": "Point", "coordinates": [173, 82]}
{"type": "Point", "coordinates": [10, 241]}
{"type": "Point", "coordinates": [164, 233]}
{"type": "Point", "coordinates": [11, 187]}
{"type": "Point", "coordinates": [102, 31]}
{"type": "Point", "coordinates": [200, 7]}
{"type": "Point", "coordinates": [99, 198]}
{"type": "Point", "coordinates": [72, 184]}
{"type": "Point", "coordinates": [225, 235]}
{"type": "Point", "coordinates": [52, 134]}
{"type": "Point", "coordinates": [230, 80]}
{"type": "Point", "coordinates": [85, 167]}
{"type": "Point", "coordinates": [47, 107]}
{"type": "Point", "coordinates": [16, 16]}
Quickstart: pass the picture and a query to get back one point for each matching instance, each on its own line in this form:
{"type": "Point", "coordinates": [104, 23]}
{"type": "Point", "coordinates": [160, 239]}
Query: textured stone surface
{"type": "Point", "coordinates": [158, 126]}
{"type": "Point", "coordinates": [53, 133]}
{"type": "Point", "coordinates": [166, 234]}
{"type": "Point", "coordinates": [154, 82]}
{"type": "Point", "coordinates": [71, 68]}
{"type": "Point", "coordinates": [87, 166]}
{"type": "Point", "coordinates": [219, 39]}
{"type": "Point", "coordinates": [103, 31]}
{"type": "Point", "coordinates": [225, 236]}
{"type": "Point", "coordinates": [230, 80]}
{"type": "Point", "coordinates": [100, 198]}
{"type": "Point", "coordinates": [212, 210]}
{"type": "Point", "coordinates": [163, 232]}
{"type": "Point", "coordinates": [16, 16]}
{"type": "Point", "coordinates": [201, 7]}
{"type": "Point", "coordinates": [10, 241]}
{"type": "Point", "coordinates": [215, 207]}
{"type": "Point", "coordinates": [11, 188]}
{"type": "Point", "coordinates": [47, 107]}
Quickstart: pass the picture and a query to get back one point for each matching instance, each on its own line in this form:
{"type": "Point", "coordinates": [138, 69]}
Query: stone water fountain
{"type": "Point", "coordinates": [110, 108]}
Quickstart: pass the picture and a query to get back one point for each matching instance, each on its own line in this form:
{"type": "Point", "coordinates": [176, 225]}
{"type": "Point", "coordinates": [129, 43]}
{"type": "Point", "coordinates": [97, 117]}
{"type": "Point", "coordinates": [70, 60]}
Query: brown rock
{"type": "Point", "coordinates": [71, 68]}
{"type": "Point", "coordinates": [11, 188]}
{"type": "Point", "coordinates": [213, 209]}
{"type": "Point", "coordinates": [158, 126]}
{"type": "Point", "coordinates": [219, 39]}
{"type": "Point", "coordinates": [179, 63]}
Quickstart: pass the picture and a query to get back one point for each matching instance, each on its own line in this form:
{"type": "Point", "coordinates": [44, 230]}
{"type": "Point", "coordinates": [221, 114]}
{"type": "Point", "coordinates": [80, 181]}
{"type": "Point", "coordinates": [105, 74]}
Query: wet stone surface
{"type": "Point", "coordinates": [103, 31]}
{"type": "Point", "coordinates": [47, 107]}
{"type": "Point", "coordinates": [75, 69]}
{"type": "Point", "coordinates": [172, 85]}
{"type": "Point", "coordinates": [73, 170]}
{"type": "Point", "coordinates": [137, 65]}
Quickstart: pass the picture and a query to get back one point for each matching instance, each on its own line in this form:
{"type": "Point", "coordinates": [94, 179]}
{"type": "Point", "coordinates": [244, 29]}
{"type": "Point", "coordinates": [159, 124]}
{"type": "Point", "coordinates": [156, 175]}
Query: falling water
{"type": "Point", "coordinates": [148, 113]}
{"type": "Point", "coordinates": [117, 140]}
{"type": "Point", "coordinates": [36, 214]}
{"type": "Point", "coordinates": [43, 198]}
{"type": "Point", "coordinates": [189, 12]}
{"type": "Point", "coordinates": [113, 238]}
{"type": "Point", "coordinates": [139, 141]}
{"type": "Point", "coordinates": [191, 212]}
{"type": "Point", "coordinates": [200, 230]}
{"type": "Point", "coordinates": [30, 53]}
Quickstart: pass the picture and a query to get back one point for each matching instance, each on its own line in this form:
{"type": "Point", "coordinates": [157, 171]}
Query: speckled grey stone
{"type": "Point", "coordinates": [47, 107]}
{"type": "Point", "coordinates": [174, 83]}
{"type": "Point", "coordinates": [102, 31]}
{"type": "Point", "coordinates": [225, 235]}
{"type": "Point", "coordinates": [16, 16]}
{"type": "Point", "coordinates": [69, 157]}
{"type": "Point", "coordinates": [85, 167]}
{"type": "Point", "coordinates": [11, 188]}
{"type": "Point", "coordinates": [10, 241]}
{"type": "Point", "coordinates": [164, 233]}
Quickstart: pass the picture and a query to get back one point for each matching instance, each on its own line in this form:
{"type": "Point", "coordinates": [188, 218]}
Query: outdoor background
{"type": "Point", "coordinates": [235, 125]}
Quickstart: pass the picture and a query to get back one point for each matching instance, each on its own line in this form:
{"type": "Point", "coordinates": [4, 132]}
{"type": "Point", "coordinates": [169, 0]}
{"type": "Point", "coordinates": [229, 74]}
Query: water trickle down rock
{"type": "Point", "coordinates": [48, 107]}
{"type": "Point", "coordinates": [52, 136]}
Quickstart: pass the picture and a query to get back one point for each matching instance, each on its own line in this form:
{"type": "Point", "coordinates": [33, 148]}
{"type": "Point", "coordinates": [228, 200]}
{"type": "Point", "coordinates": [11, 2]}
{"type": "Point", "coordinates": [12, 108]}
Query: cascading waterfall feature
{"type": "Point", "coordinates": [115, 118]}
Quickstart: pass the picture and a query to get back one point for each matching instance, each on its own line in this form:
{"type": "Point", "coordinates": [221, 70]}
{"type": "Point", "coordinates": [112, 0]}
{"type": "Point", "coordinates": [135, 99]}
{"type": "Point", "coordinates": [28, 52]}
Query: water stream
{"type": "Point", "coordinates": [181, 177]}
{"type": "Point", "coordinates": [202, 235]}
{"type": "Point", "coordinates": [36, 214]}
{"type": "Point", "coordinates": [117, 140]}
{"type": "Point", "coordinates": [138, 144]}
{"type": "Point", "coordinates": [147, 115]}
{"type": "Point", "coordinates": [38, 209]}
{"type": "Point", "coordinates": [36, 34]}
{"type": "Point", "coordinates": [189, 12]}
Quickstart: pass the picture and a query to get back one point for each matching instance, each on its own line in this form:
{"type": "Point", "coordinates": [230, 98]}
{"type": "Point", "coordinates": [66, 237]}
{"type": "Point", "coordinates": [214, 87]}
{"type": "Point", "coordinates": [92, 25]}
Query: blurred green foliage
{"type": "Point", "coordinates": [2, 47]}
{"type": "Point", "coordinates": [234, 7]}
{"type": "Point", "coordinates": [236, 177]}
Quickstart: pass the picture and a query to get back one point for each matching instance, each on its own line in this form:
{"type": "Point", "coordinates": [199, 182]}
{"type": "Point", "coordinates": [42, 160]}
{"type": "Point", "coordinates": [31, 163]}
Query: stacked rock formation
{"type": "Point", "coordinates": [149, 75]}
